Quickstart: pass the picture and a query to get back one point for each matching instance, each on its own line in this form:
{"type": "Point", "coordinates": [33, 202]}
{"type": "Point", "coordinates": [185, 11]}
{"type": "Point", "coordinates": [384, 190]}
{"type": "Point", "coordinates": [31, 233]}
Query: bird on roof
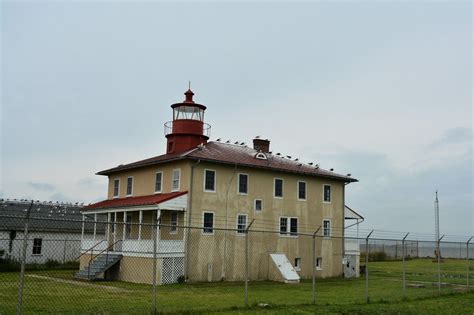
{"type": "Point", "coordinates": [288, 156]}
{"type": "Point", "coordinates": [310, 163]}
{"type": "Point", "coordinates": [278, 153]}
{"type": "Point", "coordinates": [218, 139]}
{"type": "Point", "coordinates": [257, 137]}
{"type": "Point", "coordinates": [236, 142]}
{"type": "Point", "coordinates": [349, 174]}
{"type": "Point", "coordinates": [242, 143]}
{"type": "Point", "coordinates": [296, 160]}
{"type": "Point", "coordinates": [331, 169]}
{"type": "Point", "coordinates": [228, 141]}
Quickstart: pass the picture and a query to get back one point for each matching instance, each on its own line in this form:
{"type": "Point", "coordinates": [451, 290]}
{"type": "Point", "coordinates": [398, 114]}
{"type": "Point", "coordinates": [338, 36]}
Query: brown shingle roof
{"type": "Point", "coordinates": [135, 201]}
{"type": "Point", "coordinates": [218, 152]}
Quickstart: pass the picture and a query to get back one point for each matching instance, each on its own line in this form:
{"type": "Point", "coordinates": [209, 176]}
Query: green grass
{"type": "Point", "coordinates": [334, 295]}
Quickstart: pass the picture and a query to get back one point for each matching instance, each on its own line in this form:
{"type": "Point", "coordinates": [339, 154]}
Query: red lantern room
{"type": "Point", "coordinates": [187, 130]}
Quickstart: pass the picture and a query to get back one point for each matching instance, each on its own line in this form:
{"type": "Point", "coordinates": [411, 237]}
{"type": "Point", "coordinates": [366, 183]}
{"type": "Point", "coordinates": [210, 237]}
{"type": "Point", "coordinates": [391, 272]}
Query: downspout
{"type": "Point", "coordinates": [188, 229]}
{"type": "Point", "coordinates": [343, 224]}
{"type": "Point", "coordinates": [225, 221]}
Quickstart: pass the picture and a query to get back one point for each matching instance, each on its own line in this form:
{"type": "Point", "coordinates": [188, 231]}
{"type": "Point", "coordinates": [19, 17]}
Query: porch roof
{"type": "Point", "coordinates": [148, 200]}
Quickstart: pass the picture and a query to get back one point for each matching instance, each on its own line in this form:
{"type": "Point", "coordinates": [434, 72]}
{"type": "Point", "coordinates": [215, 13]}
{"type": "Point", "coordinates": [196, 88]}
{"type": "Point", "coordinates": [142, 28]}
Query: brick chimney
{"type": "Point", "coordinates": [261, 145]}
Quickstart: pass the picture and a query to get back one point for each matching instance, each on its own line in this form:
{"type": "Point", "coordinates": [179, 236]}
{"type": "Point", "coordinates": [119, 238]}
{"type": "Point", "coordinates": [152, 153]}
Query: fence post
{"type": "Point", "coordinates": [314, 264]}
{"type": "Point", "coordinates": [155, 243]}
{"type": "Point", "coordinates": [367, 267]}
{"type": "Point", "coordinates": [247, 263]}
{"type": "Point", "coordinates": [64, 252]}
{"type": "Point", "coordinates": [439, 265]}
{"type": "Point", "coordinates": [467, 261]}
{"type": "Point", "coordinates": [23, 261]}
{"type": "Point", "coordinates": [403, 263]}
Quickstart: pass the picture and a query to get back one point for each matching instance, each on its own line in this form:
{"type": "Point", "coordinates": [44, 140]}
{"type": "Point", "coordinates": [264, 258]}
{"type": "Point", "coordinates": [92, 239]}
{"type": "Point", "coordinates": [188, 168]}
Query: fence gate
{"type": "Point", "coordinates": [173, 267]}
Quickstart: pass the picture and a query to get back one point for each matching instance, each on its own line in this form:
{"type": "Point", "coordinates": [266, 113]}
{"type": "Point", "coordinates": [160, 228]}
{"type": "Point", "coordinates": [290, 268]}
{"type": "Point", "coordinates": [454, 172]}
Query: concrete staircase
{"type": "Point", "coordinates": [98, 266]}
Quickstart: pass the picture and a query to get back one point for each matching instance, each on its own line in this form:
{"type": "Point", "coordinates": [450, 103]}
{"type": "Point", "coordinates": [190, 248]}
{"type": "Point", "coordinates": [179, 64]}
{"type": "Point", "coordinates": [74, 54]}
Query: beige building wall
{"type": "Point", "coordinates": [144, 179]}
{"type": "Point", "coordinates": [226, 201]}
{"type": "Point", "coordinates": [139, 270]}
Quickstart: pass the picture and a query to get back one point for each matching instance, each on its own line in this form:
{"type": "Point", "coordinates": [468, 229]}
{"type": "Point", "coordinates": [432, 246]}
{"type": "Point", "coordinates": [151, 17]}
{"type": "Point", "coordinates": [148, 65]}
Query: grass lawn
{"type": "Point", "coordinates": [56, 292]}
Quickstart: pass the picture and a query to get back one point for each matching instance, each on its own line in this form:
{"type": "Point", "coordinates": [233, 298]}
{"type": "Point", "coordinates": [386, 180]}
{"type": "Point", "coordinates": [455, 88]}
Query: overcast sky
{"type": "Point", "coordinates": [379, 90]}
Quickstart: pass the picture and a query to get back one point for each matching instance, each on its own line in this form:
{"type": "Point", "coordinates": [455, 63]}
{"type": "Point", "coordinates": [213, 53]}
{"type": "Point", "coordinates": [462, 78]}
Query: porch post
{"type": "Point", "coordinates": [140, 221]}
{"type": "Point", "coordinates": [108, 228]}
{"type": "Point", "coordinates": [124, 225]}
{"type": "Point", "coordinates": [95, 226]}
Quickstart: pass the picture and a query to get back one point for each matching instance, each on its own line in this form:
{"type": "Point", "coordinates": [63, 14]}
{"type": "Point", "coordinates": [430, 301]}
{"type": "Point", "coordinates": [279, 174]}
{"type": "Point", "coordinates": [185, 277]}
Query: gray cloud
{"type": "Point", "coordinates": [41, 186]}
{"type": "Point", "coordinates": [454, 136]}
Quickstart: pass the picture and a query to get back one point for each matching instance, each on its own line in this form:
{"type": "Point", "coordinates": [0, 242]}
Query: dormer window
{"type": "Point", "coordinates": [261, 156]}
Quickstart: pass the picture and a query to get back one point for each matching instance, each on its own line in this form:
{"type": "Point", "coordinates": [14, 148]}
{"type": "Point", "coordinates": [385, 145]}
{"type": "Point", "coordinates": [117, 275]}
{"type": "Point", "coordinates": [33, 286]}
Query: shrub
{"type": "Point", "coordinates": [8, 264]}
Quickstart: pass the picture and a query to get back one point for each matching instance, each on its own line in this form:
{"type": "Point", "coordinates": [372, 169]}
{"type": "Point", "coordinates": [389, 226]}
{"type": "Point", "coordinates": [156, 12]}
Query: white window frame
{"type": "Point", "coordinates": [213, 223]}
{"type": "Point", "coordinates": [255, 205]}
{"type": "Point", "coordinates": [282, 234]}
{"type": "Point", "coordinates": [113, 188]}
{"type": "Point", "coordinates": [161, 185]}
{"type": "Point", "coordinates": [330, 193]}
{"type": "Point", "coordinates": [330, 228]}
{"type": "Point", "coordinates": [174, 227]}
{"type": "Point", "coordinates": [126, 188]}
{"type": "Point", "coordinates": [319, 263]}
{"type": "Point", "coordinates": [288, 226]}
{"type": "Point", "coordinates": [282, 188]}
{"type": "Point", "coordinates": [179, 179]}
{"type": "Point", "coordinates": [298, 190]}
{"type": "Point", "coordinates": [204, 180]}
{"type": "Point", "coordinates": [238, 184]}
{"type": "Point", "coordinates": [298, 263]}
{"type": "Point", "coordinates": [237, 224]}
{"type": "Point", "coordinates": [40, 247]}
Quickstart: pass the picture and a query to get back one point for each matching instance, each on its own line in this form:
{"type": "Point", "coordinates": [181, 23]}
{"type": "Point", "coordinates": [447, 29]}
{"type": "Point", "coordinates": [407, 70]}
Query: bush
{"type": "Point", "coordinates": [8, 264]}
{"type": "Point", "coordinates": [181, 279]}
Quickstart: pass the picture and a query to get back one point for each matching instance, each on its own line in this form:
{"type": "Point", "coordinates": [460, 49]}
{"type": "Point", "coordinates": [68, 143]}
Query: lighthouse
{"type": "Point", "coordinates": [187, 130]}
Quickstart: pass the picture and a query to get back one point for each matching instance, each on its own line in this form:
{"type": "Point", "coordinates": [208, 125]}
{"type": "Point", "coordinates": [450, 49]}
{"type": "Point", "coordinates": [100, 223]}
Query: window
{"type": "Point", "coordinates": [175, 180]}
{"type": "Point", "coordinates": [158, 182]}
{"type": "Point", "coordinates": [286, 229]}
{"type": "Point", "coordinates": [326, 228]}
{"type": "Point", "coordinates": [298, 264]}
{"type": "Point", "coordinates": [283, 225]}
{"type": "Point", "coordinates": [241, 223]}
{"type": "Point", "coordinates": [129, 186]}
{"type": "Point", "coordinates": [327, 193]}
{"type": "Point", "coordinates": [243, 184]}
{"type": "Point", "coordinates": [208, 223]}
{"type": "Point", "coordinates": [278, 188]}
{"type": "Point", "coordinates": [294, 226]}
{"type": "Point", "coordinates": [37, 242]}
{"type": "Point", "coordinates": [209, 180]}
{"type": "Point", "coordinates": [116, 188]}
{"type": "Point", "coordinates": [258, 205]}
{"type": "Point", "coordinates": [319, 263]}
{"type": "Point", "coordinates": [174, 222]}
{"type": "Point", "coordinates": [302, 190]}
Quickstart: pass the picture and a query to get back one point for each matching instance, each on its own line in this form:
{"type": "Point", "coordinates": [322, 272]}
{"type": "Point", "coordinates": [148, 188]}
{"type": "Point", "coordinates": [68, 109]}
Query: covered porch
{"type": "Point", "coordinates": [129, 226]}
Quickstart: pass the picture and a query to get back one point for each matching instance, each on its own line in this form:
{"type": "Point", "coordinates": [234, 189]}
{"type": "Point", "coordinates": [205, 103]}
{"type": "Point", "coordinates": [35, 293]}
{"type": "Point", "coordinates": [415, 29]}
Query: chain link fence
{"type": "Point", "coordinates": [98, 265]}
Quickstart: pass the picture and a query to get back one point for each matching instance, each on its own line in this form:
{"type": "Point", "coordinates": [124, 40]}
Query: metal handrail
{"type": "Point", "coordinates": [89, 250]}
{"type": "Point", "coordinates": [94, 257]}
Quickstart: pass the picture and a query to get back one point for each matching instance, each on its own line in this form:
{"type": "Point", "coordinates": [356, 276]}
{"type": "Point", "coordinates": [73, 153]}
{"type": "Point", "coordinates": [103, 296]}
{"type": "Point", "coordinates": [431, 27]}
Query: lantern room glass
{"type": "Point", "coordinates": [188, 112]}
